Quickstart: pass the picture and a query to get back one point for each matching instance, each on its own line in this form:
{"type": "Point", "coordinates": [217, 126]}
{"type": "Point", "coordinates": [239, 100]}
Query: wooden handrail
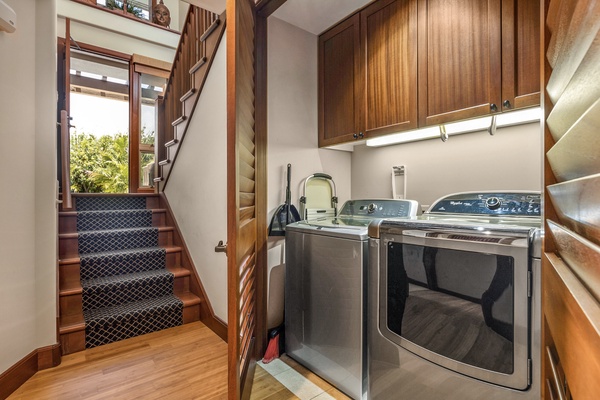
{"type": "Point", "coordinates": [65, 152]}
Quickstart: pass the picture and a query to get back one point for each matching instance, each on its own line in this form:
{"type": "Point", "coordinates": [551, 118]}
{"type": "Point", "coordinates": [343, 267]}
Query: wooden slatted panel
{"type": "Point", "coordinates": [577, 154]}
{"type": "Point", "coordinates": [581, 92]}
{"type": "Point", "coordinates": [571, 277]}
{"type": "Point", "coordinates": [241, 197]}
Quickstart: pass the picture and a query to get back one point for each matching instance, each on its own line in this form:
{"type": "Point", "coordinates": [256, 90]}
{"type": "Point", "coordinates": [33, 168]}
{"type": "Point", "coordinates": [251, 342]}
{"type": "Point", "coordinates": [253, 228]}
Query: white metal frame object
{"type": "Point", "coordinates": [399, 170]}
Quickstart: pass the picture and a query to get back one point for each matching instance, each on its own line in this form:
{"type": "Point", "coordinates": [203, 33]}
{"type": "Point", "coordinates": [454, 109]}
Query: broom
{"type": "Point", "coordinates": [272, 351]}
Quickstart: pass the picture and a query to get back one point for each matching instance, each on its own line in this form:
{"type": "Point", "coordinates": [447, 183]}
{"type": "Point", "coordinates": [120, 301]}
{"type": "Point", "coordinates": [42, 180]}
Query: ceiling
{"type": "Point", "coordinates": [314, 16]}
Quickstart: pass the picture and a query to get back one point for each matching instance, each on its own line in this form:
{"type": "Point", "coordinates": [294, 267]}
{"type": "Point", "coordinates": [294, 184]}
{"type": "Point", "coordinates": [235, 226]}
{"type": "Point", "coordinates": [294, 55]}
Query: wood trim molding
{"type": "Point", "coordinates": [49, 356]}
{"type": "Point", "coordinates": [207, 315]}
{"type": "Point", "coordinates": [19, 373]}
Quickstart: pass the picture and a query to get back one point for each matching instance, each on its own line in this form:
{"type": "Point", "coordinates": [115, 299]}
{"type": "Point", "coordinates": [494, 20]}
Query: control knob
{"type": "Point", "coordinates": [492, 203]}
{"type": "Point", "coordinates": [371, 208]}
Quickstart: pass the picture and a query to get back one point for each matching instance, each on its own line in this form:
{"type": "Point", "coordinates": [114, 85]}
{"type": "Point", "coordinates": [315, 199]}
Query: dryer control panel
{"type": "Point", "coordinates": [379, 208]}
{"type": "Point", "coordinates": [489, 203]}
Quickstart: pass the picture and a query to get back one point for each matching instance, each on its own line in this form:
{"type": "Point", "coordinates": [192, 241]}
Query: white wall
{"type": "Point", "coordinates": [197, 187]}
{"type": "Point", "coordinates": [292, 127]}
{"type": "Point", "coordinates": [27, 156]}
{"type": "Point", "coordinates": [100, 28]}
{"type": "Point", "coordinates": [511, 159]}
{"type": "Point", "coordinates": [293, 118]}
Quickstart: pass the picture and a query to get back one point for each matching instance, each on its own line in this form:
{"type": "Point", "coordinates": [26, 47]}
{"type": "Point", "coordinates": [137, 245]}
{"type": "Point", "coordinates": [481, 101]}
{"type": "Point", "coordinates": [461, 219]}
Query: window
{"type": "Point", "coordinates": [137, 8]}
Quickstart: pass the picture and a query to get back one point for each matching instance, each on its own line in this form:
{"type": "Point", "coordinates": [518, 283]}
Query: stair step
{"type": "Point", "coordinates": [198, 65]}
{"type": "Point", "coordinates": [110, 324]}
{"type": "Point", "coordinates": [210, 30]}
{"type": "Point", "coordinates": [68, 219]}
{"type": "Point", "coordinates": [117, 239]}
{"type": "Point", "coordinates": [89, 203]}
{"type": "Point", "coordinates": [188, 94]}
{"type": "Point", "coordinates": [120, 262]}
{"type": "Point", "coordinates": [172, 143]}
{"type": "Point", "coordinates": [158, 179]}
{"type": "Point", "coordinates": [164, 162]}
{"type": "Point", "coordinates": [71, 323]}
{"type": "Point", "coordinates": [113, 219]}
{"type": "Point", "coordinates": [77, 260]}
{"type": "Point", "coordinates": [179, 120]}
{"type": "Point", "coordinates": [71, 286]}
{"type": "Point", "coordinates": [120, 289]}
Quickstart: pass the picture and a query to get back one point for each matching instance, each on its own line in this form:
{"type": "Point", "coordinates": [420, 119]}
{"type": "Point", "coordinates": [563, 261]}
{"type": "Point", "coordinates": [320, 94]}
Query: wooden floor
{"type": "Point", "coordinates": [186, 362]}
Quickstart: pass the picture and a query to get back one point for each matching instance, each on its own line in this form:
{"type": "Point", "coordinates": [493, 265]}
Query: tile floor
{"type": "Point", "coordinates": [302, 383]}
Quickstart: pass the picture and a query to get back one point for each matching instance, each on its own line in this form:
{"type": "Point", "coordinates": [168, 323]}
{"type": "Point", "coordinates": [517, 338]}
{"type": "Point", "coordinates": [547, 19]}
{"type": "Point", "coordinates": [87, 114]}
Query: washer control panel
{"type": "Point", "coordinates": [489, 203]}
{"type": "Point", "coordinates": [379, 208]}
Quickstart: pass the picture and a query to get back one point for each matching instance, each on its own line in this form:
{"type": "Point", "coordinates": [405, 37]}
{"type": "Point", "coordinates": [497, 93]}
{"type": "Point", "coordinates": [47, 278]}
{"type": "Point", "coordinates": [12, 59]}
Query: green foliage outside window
{"type": "Point", "coordinates": [99, 164]}
{"type": "Point", "coordinates": [118, 5]}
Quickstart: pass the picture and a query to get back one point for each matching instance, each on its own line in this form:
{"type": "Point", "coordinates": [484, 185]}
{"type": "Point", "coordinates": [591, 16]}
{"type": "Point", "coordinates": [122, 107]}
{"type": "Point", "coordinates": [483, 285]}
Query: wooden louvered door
{"type": "Point", "coordinates": [246, 226]}
{"type": "Point", "coordinates": [571, 273]}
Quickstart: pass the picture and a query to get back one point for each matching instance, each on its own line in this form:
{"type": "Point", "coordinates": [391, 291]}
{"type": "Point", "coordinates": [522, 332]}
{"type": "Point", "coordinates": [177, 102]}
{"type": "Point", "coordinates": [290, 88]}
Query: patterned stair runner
{"type": "Point", "coordinates": [127, 290]}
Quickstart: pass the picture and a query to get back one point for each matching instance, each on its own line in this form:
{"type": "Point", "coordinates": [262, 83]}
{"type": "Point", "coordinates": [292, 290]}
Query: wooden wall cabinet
{"type": "Point", "coordinates": [477, 58]}
{"type": "Point", "coordinates": [368, 73]}
{"type": "Point", "coordinates": [389, 55]}
{"type": "Point", "coordinates": [520, 54]}
{"type": "Point", "coordinates": [340, 90]}
{"type": "Point", "coordinates": [402, 64]}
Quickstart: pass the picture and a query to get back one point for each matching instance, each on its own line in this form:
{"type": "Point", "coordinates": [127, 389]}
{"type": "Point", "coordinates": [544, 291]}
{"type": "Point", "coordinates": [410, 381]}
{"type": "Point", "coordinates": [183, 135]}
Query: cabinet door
{"type": "Point", "coordinates": [520, 54]}
{"type": "Point", "coordinates": [339, 83]}
{"type": "Point", "coordinates": [459, 59]}
{"type": "Point", "coordinates": [389, 45]}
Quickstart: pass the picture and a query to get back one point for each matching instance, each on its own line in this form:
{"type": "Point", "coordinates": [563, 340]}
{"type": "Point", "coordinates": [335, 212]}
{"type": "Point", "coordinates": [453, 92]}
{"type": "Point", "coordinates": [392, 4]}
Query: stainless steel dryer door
{"type": "Point", "coordinates": [459, 299]}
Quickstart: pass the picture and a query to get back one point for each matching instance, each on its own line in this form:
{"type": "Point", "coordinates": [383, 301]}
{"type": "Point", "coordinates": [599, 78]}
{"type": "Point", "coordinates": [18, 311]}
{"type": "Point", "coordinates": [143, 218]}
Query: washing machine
{"type": "Point", "coordinates": [325, 297]}
{"type": "Point", "coordinates": [454, 300]}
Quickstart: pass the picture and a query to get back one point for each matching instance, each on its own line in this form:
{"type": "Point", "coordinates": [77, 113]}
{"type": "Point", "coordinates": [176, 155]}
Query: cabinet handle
{"type": "Point", "coordinates": [506, 104]}
{"type": "Point", "coordinates": [355, 136]}
{"type": "Point", "coordinates": [492, 128]}
{"type": "Point", "coordinates": [493, 107]}
{"type": "Point", "coordinates": [361, 135]}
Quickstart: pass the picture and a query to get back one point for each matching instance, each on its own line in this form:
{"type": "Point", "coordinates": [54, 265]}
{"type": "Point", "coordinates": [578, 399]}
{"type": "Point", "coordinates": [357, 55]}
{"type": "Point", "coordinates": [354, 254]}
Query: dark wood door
{"type": "Point", "coordinates": [459, 59]}
{"type": "Point", "coordinates": [520, 54]}
{"type": "Point", "coordinates": [340, 86]}
{"type": "Point", "coordinates": [389, 58]}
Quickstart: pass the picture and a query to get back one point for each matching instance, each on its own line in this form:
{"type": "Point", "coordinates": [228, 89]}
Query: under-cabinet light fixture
{"type": "Point", "coordinates": [457, 128]}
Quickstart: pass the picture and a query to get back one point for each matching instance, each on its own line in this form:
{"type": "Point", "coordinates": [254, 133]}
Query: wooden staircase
{"type": "Point", "coordinates": [72, 326]}
{"type": "Point", "coordinates": [198, 45]}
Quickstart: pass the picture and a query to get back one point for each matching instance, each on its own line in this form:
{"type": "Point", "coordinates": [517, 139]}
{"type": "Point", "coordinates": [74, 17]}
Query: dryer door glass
{"type": "Point", "coordinates": [453, 303]}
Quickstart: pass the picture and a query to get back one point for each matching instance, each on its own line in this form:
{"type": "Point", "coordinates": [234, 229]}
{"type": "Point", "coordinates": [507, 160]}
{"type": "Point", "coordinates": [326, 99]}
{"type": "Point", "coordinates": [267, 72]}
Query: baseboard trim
{"type": "Point", "coordinates": [18, 374]}
{"type": "Point", "coordinates": [49, 356]}
{"type": "Point", "coordinates": [217, 326]}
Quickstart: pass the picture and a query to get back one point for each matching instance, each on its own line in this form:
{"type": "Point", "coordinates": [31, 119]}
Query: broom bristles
{"type": "Point", "coordinates": [272, 350]}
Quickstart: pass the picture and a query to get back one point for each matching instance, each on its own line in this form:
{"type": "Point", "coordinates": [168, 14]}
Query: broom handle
{"type": "Point", "coordinates": [288, 194]}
